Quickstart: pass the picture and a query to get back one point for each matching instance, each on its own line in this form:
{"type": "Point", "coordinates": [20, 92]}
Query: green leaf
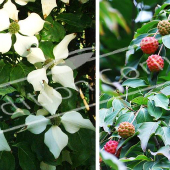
{"type": "Point", "coordinates": [163, 133]}
{"type": "Point", "coordinates": [6, 90]}
{"type": "Point", "coordinates": [137, 41]}
{"type": "Point", "coordinates": [19, 74]}
{"type": "Point", "coordinates": [163, 163]}
{"type": "Point", "coordinates": [161, 101]}
{"type": "Point", "coordinates": [163, 151]}
{"type": "Point", "coordinates": [52, 31]}
{"type": "Point", "coordinates": [138, 158]}
{"type": "Point", "coordinates": [140, 100]}
{"type": "Point", "coordinates": [66, 157]}
{"type": "Point", "coordinates": [7, 161]}
{"type": "Point", "coordinates": [146, 27]}
{"type": "Point", "coordinates": [158, 9]}
{"type": "Point", "coordinates": [134, 83]}
{"type": "Point", "coordinates": [103, 100]}
{"type": "Point", "coordinates": [71, 19]}
{"type": "Point", "coordinates": [20, 112]}
{"type": "Point", "coordinates": [119, 104]}
{"type": "Point", "coordinates": [109, 119]}
{"type": "Point", "coordinates": [27, 159]}
{"type": "Point", "coordinates": [45, 166]}
{"type": "Point", "coordinates": [47, 48]}
{"type": "Point", "coordinates": [165, 40]}
{"type": "Point", "coordinates": [112, 161]}
{"type": "Point", "coordinates": [4, 72]}
{"type": "Point", "coordinates": [146, 130]}
{"type": "Point", "coordinates": [102, 115]}
{"type": "Point", "coordinates": [153, 110]}
{"type": "Point", "coordinates": [143, 116]}
{"type": "Point", "coordinates": [127, 117]}
{"type": "Point", "coordinates": [166, 91]}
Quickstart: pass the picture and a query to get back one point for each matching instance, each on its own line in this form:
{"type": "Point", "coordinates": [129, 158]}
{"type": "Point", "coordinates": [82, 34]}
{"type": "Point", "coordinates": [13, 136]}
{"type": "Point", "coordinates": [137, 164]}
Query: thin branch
{"type": "Point", "coordinates": [137, 114]}
{"type": "Point", "coordinates": [156, 33]}
{"type": "Point", "coordinates": [126, 93]}
{"type": "Point", "coordinates": [160, 49]}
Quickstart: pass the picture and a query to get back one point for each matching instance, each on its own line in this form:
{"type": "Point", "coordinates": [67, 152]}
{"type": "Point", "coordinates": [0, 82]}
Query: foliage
{"type": "Point", "coordinates": [143, 102]}
{"type": "Point", "coordinates": [44, 121]}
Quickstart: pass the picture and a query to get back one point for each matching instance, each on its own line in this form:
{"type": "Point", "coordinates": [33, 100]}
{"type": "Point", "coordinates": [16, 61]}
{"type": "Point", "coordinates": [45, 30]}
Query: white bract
{"type": "Point", "coordinates": [11, 9]}
{"type": "Point", "coordinates": [23, 2]}
{"type": "Point", "coordinates": [49, 98]}
{"type": "Point", "coordinates": [3, 144]}
{"type": "Point", "coordinates": [49, 5]}
{"type": "Point", "coordinates": [37, 77]}
{"type": "Point", "coordinates": [55, 138]}
{"type": "Point", "coordinates": [23, 43]}
{"type": "Point", "coordinates": [60, 74]}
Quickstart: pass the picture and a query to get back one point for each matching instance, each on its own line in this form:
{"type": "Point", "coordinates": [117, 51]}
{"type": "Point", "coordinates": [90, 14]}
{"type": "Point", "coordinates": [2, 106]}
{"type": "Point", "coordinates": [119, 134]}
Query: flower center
{"type": "Point", "coordinates": [56, 121]}
{"type": "Point", "coordinates": [49, 63]}
{"type": "Point", "coordinates": [14, 28]}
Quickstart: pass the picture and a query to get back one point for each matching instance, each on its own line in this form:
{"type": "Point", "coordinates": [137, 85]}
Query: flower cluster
{"type": "Point", "coordinates": [25, 32]}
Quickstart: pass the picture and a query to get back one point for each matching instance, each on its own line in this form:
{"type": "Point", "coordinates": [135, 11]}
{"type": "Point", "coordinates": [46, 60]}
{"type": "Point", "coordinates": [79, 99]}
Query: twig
{"type": "Point", "coordinates": [160, 49]}
{"type": "Point", "coordinates": [156, 33]}
{"type": "Point", "coordinates": [157, 143]}
{"type": "Point", "coordinates": [126, 93]}
{"type": "Point", "coordinates": [136, 114]}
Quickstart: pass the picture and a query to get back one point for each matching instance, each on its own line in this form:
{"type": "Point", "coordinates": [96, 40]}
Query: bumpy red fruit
{"type": "Point", "coordinates": [155, 63]}
{"type": "Point", "coordinates": [111, 146]}
{"type": "Point", "coordinates": [149, 45]}
{"type": "Point", "coordinates": [126, 130]}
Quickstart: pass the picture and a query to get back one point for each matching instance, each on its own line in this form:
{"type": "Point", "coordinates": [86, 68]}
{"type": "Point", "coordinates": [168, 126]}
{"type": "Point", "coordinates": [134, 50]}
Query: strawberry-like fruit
{"type": "Point", "coordinates": [164, 27]}
{"type": "Point", "coordinates": [126, 129]}
{"type": "Point", "coordinates": [149, 45]}
{"type": "Point", "coordinates": [111, 146]}
{"type": "Point", "coordinates": [155, 63]}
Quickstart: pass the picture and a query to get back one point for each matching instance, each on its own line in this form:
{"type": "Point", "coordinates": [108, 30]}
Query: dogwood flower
{"type": "Point", "coordinates": [23, 2]}
{"type": "Point", "coordinates": [61, 74]}
{"type": "Point", "coordinates": [48, 6]}
{"type": "Point", "coordinates": [11, 9]}
{"type": "Point", "coordinates": [55, 139]}
{"type": "Point", "coordinates": [25, 27]}
{"type": "Point", "coordinates": [49, 98]}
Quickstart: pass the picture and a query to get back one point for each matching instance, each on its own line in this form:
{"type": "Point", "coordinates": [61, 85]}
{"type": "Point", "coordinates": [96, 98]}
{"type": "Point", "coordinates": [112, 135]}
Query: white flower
{"type": "Point", "coordinates": [1, 1]}
{"type": "Point", "coordinates": [49, 98]}
{"type": "Point", "coordinates": [37, 77]}
{"type": "Point", "coordinates": [63, 75]}
{"type": "Point", "coordinates": [49, 5]}
{"type": "Point", "coordinates": [55, 138]}
{"type": "Point", "coordinates": [23, 2]}
{"type": "Point", "coordinates": [23, 43]}
{"type": "Point", "coordinates": [35, 55]}
{"type": "Point", "coordinates": [60, 74]}
{"type": "Point", "coordinates": [11, 9]}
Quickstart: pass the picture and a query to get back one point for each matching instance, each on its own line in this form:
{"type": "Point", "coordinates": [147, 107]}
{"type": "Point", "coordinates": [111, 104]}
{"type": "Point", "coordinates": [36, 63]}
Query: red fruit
{"type": "Point", "coordinates": [126, 129]}
{"type": "Point", "coordinates": [155, 63]}
{"type": "Point", "coordinates": [111, 146]}
{"type": "Point", "coordinates": [149, 45]}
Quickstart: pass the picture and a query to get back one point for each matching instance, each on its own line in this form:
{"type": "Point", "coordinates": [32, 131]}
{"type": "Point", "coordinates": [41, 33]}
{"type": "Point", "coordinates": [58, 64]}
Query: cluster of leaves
{"type": "Point", "coordinates": [146, 101]}
{"type": "Point", "coordinates": [28, 151]}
